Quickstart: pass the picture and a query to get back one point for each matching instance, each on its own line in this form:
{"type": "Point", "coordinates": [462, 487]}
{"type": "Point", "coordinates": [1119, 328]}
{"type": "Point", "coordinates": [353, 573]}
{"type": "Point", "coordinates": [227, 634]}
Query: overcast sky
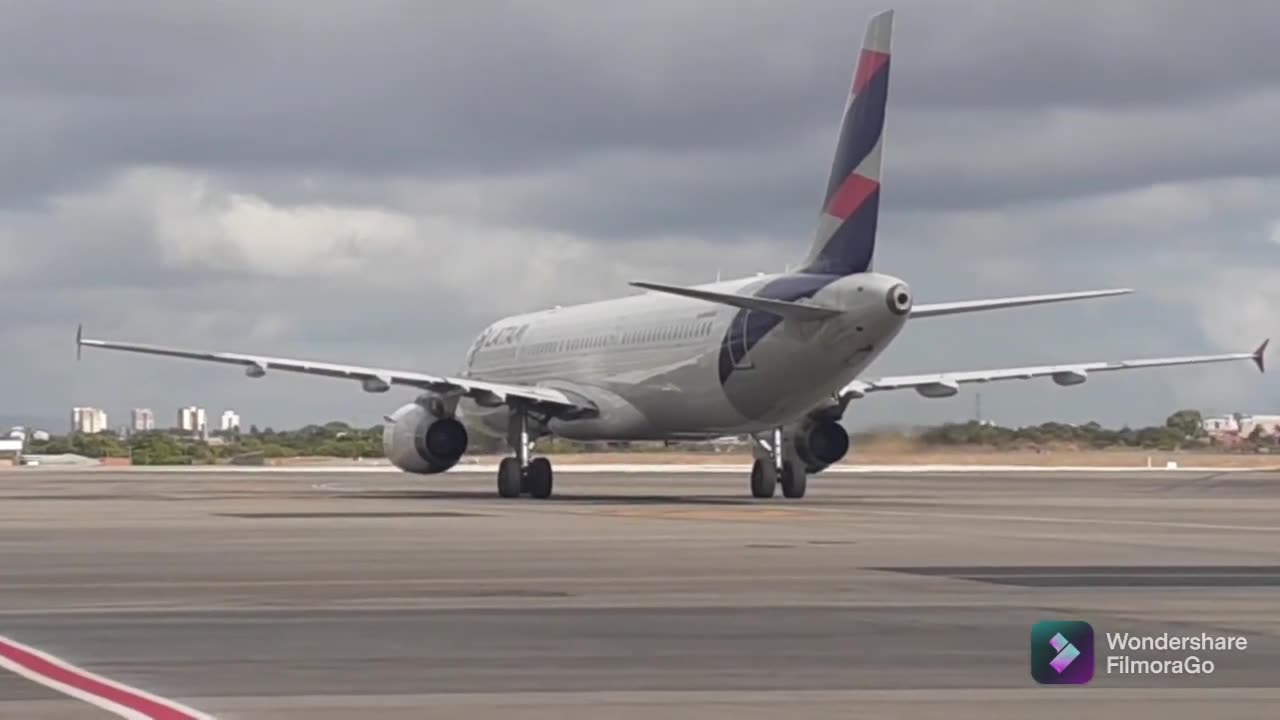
{"type": "Point", "coordinates": [372, 182]}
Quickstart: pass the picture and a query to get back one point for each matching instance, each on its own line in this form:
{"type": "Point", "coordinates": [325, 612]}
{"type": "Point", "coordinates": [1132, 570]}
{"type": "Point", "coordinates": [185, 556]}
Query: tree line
{"type": "Point", "coordinates": [1182, 429]}
{"type": "Point", "coordinates": [172, 447]}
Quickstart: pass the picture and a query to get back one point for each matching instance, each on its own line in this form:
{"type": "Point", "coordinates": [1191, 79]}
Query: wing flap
{"type": "Point", "coordinates": [375, 379]}
{"type": "Point", "coordinates": [785, 310]}
{"type": "Point", "coordinates": [968, 306]}
{"type": "Point", "coordinates": [947, 384]}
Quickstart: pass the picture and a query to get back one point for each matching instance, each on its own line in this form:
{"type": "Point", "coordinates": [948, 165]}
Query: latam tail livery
{"type": "Point", "coordinates": [776, 357]}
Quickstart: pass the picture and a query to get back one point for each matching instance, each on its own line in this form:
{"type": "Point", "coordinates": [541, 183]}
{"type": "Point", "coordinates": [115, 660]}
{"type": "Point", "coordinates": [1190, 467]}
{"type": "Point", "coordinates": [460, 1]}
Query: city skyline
{"type": "Point", "coordinates": [1214, 420]}
{"type": "Point", "coordinates": [91, 419]}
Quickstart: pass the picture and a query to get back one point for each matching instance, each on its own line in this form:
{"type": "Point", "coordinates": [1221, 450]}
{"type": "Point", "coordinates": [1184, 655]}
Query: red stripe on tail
{"type": "Point", "coordinates": [869, 63]}
{"type": "Point", "coordinates": [852, 193]}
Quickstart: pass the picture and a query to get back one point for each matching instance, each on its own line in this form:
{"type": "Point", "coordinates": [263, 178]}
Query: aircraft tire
{"type": "Point", "coordinates": [509, 478]}
{"type": "Point", "coordinates": [538, 478]}
{"type": "Point", "coordinates": [764, 479]}
{"type": "Point", "coordinates": [794, 479]}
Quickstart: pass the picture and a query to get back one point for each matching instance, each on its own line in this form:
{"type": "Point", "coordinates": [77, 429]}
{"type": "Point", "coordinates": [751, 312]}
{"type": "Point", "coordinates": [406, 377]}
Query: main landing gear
{"type": "Point", "coordinates": [521, 475]}
{"type": "Point", "coordinates": [776, 464]}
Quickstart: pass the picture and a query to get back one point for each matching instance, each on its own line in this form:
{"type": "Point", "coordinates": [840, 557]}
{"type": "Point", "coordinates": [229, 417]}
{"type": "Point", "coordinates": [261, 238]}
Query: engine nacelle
{"type": "Point", "coordinates": [417, 440]}
{"type": "Point", "coordinates": [820, 442]}
{"type": "Point", "coordinates": [1070, 377]}
{"type": "Point", "coordinates": [940, 389]}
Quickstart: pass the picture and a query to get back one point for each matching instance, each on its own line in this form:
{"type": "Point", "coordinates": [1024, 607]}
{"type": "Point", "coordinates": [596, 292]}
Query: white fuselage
{"type": "Point", "coordinates": [659, 366]}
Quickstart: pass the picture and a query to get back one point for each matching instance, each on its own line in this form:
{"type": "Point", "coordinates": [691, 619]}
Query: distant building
{"type": "Point", "coordinates": [1240, 425]}
{"type": "Point", "coordinates": [192, 419]}
{"type": "Point", "coordinates": [143, 420]}
{"type": "Point", "coordinates": [88, 420]}
{"type": "Point", "coordinates": [1221, 424]}
{"type": "Point", "coordinates": [10, 451]}
{"type": "Point", "coordinates": [230, 421]}
{"type": "Point", "coordinates": [726, 443]}
{"type": "Point", "coordinates": [23, 434]}
{"type": "Point", "coordinates": [1268, 424]}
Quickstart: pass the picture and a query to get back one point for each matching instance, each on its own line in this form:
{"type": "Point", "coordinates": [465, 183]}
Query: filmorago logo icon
{"type": "Point", "coordinates": [1062, 652]}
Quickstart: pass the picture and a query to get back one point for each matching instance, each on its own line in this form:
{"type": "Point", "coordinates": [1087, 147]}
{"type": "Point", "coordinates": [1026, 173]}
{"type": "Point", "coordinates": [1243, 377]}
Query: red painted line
{"type": "Point", "coordinates": [107, 694]}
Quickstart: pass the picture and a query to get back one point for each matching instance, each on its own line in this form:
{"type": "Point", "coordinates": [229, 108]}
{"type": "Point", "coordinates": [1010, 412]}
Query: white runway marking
{"type": "Point", "coordinates": [1071, 520]}
{"type": "Point", "coordinates": [664, 468]}
{"type": "Point", "coordinates": [114, 697]}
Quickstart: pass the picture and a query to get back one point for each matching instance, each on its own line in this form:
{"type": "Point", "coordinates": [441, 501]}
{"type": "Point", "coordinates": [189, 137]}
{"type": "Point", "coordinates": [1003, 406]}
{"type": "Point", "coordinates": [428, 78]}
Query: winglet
{"type": "Point", "coordinates": [1257, 355]}
{"type": "Point", "coordinates": [79, 339]}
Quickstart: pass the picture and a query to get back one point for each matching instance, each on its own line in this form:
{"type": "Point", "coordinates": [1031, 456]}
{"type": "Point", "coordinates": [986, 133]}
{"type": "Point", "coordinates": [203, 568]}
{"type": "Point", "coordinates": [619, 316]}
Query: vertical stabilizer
{"type": "Point", "coordinates": [846, 234]}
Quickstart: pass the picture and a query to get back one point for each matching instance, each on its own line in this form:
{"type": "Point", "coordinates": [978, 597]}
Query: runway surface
{"type": "Point", "coordinates": [373, 595]}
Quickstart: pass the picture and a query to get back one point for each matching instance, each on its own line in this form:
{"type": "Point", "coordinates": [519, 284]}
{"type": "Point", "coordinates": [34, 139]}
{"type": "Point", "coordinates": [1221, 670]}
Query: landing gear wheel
{"type": "Point", "coordinates": [764, 479]}
{"type": "Point", "coordinates": [538, 478]}
{"type": "Point", "coordinates": [509, 478]}
{"type": "Point", "coordinates": [794, 479]}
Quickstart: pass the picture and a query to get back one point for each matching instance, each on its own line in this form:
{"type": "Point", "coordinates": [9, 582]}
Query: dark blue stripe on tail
{"type": "Point", "coordinates": [851, 246]}
{"type": "Point", "coordinates": [862, 128]}
{"type": "Point", "coordinates": [749, 327]}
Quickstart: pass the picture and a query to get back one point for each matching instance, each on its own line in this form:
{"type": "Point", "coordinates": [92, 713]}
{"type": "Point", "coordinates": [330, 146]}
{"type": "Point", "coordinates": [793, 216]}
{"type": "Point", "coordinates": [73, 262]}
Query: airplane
{"type": "Point", "coordinates": [777, 357]}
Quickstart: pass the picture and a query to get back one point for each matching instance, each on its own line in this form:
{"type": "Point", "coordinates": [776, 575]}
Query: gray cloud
{"type": "Point", "coordinates": [373, 182]}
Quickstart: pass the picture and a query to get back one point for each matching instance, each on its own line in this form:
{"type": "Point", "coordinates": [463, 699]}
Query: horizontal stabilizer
{"type": "Point", "coordinates": [968, 306]}
{"type": "Point", "coordinates": [781, 308]}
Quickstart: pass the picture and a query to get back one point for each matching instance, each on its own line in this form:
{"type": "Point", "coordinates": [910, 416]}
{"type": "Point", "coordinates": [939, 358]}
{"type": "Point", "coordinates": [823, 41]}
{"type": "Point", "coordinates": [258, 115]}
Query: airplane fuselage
{"type": "Point", "coordinates": [659, 366]}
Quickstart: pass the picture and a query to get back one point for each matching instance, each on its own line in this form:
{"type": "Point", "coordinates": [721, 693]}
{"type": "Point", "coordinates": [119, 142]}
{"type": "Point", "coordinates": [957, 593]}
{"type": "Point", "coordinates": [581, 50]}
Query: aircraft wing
{"type": "Point", "coordinates": [371, 379]}
{"type": "Point", "coordinates": [966, 306]}
{"type": "Point", "coordinates": [948, 384]}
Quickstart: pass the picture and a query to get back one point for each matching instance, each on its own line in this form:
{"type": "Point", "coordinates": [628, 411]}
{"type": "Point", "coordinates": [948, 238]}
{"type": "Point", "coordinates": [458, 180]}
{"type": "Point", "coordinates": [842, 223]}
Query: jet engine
{"type": "Point", "coordinates": [422, 438]}
{"type": "Point", "coordinates": [820, 442]}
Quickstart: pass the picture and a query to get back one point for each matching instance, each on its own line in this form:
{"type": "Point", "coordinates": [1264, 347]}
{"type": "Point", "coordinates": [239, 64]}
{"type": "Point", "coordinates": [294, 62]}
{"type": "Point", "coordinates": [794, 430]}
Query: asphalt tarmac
{"type": "Point", "coordinates": [636, 595]}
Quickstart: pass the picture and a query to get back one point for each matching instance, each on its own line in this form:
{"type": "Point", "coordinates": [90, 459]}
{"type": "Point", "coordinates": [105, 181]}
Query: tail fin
{"type": "Point", "coordinates": [846, 235]}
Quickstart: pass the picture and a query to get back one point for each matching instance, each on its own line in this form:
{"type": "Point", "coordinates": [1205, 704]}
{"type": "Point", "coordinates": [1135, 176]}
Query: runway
{"type": "Point", "coordinates": [375, 595]}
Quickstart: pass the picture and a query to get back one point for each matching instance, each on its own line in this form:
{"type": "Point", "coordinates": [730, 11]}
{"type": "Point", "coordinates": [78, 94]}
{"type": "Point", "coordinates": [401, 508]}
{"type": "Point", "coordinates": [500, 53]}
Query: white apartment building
{"type": "Point", "coordinates": [88, 420]}
{"type": "Point", "coordinates": [230, 421]}
{"type": "Point", "coordinates": [192, 419]}
{"type": "Point", "coordinates": [143, 420]}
